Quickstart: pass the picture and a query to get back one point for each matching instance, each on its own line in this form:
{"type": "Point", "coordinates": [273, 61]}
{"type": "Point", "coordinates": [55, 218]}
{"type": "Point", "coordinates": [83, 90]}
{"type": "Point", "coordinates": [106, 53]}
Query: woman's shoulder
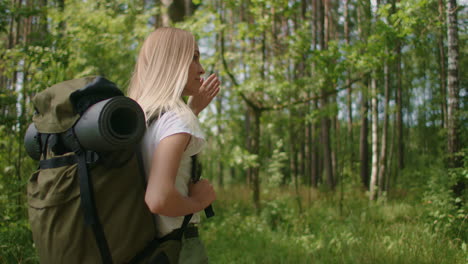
{"type": "Point", "coordinates": [172, 122]}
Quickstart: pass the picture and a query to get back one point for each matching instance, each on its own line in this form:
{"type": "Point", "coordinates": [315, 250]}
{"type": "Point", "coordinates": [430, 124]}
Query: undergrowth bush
{"type": "Point", "coordinates": [447, 212]}
{"type": "Point", "coordinates": [16, 245]}
{"type": "Point", "coordinates": [363, 232]}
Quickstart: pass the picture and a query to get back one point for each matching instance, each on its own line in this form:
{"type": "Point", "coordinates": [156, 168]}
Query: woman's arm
{"type": "Point", "coordinates": [161, 195]}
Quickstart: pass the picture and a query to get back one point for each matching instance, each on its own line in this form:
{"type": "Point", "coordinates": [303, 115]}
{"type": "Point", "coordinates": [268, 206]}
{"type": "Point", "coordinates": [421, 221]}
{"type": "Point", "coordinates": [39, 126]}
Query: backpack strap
{"type": "Point", "coordinates": [196, 174]}
{"type": "Point", "coordinates": [89, 208]}
{"type": "Point", "coordinates": [44, 139]}
{"type": "Point", "coordinates": [58, 162]}
{"type": "Point", "coordinates": [88, 204]}
{"type": "Point", "coordinates": [179, 233]}
{"type": "Point", "coordinates": [141, 168]}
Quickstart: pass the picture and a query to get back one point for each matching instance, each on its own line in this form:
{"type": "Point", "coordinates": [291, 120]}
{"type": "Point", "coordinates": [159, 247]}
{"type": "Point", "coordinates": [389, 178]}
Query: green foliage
{"type": "Point", "coordinates": [363, 233]}
{"type": "Point", "coordinates": [275, 56]}
{"type": "Point", "coordinates": [448, 211]}
{"type": "Point", "coordinates": [16, 245]}
{"type": "Point", "coordinates": [275, 166]}
{"type": "Point", "coordinates": [241, 157]}
{"type": "Point", "coordinates": [104, 43]}
{"type": "Point", "coordinates": [84, 38]}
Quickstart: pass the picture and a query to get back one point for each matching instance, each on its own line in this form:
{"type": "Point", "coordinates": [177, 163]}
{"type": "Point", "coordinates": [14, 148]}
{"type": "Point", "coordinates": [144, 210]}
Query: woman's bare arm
{"type": "Point", "coordinates": [161, 195]}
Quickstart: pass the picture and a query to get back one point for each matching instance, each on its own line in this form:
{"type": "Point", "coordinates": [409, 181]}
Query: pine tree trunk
{"type": "Point", "coordinates": [315, 157]}
{"type": "Point", "coordinates": [363, 143]}
{"type": "Point", "coordinates": [314, 166]}
{"type": "Point", "coordinates": [350, 141]}
{"type": "Point", "coordinates": [325, 126]}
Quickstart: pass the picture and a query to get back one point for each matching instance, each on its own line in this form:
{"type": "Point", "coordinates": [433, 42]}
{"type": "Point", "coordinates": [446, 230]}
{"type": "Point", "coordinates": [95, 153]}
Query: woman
{"type": "Point", "coordinates": [168, 68]}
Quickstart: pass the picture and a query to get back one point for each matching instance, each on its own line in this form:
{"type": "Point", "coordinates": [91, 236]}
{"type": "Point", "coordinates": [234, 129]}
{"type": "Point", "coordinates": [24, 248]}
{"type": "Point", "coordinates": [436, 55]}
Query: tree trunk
{"type": "Point", "coordinates": [363, 143]}
{"type": "Point", "coordinates": [315, 157]}
{"type": "Point", "coordinates": [165, 18]}
{"type": "Point", "coordinates": [219, 110]}
{"type": "Point", "coordinates": [383, 144]}
{"type": "Point", "coordinates": [256, 151]}
{"type": "Point", "coordinates": [325, 124]}
{"type": "Point", "coordinates": [399, 112]}
{"type": "Point", "coordinates": [313, 145]}
{"type": "Point", "coordinates": [248, 140]}
{"type": "Point", "coordinates": [363, 17]}
{"type": "Point", "coordinates": [442, 69]}
{"type": "Point", "coordinates": [308, 149]}
{"type": "Point", "coordinates": [453, 125]}
{"type": "Point", "coordinates": [292, 148]}
{"type": "Point", "coordinates": [375, 140]}
{"type": "Point", "coordinates": [350, 141]}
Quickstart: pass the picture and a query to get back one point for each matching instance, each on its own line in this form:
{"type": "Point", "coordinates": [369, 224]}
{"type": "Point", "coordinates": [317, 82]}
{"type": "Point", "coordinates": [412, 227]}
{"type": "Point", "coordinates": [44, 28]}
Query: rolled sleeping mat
{"type": "Point", "coordinates": [31, 142]}
{"type": "Point", "coordinates": [113, 124]}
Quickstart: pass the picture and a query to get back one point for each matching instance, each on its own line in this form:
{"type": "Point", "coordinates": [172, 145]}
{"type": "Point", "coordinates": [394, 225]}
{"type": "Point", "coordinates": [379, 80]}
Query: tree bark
{"type": "Point", "coordinates": [350, 140]}
{"type": "Point", "coordinates": [292, 149]}
{"type": "Point", "coordinates": [453, 137]}
{"type": "Point", "coordinates": [315, 157]}
{"type": "Point", "coordinates": [248, 140]}
{"type": "Point", "coordinates": [363, 143]}
{"type": "Point", "coordinates": [325, 124]}
{"type": "Point", "coordinates": [363, 21]}
{"type": "Point", "coordinates": [165, 18]}
{"type": "Point", "coordinates": [399, 107]}
{"type": "Point", "coordinates": [442, 68]}
{"type": "Point", "coordinates": [375, 140]}
{"type": "Point", "coordinates": [219, 111]}
{"type": "Point", "coordinates": [399, 111]}
{"type": "Point", "coordinates": [383, 144]}
{"type": "Point", "coordinates": [256, 151]}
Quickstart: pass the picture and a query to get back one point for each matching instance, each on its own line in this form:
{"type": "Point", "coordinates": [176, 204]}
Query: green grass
{"type": "Point", "coordinates": [394, 231]}
{"type": "Point", "coordinates": [364, 232]}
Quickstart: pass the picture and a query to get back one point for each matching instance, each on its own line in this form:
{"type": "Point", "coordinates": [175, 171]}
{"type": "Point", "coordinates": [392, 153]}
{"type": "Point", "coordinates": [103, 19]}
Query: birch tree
{"type": "Point", "coordinates": [453, 82]}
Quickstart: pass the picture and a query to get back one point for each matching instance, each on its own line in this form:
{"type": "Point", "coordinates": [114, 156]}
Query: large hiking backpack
{"type": "Point", "coordinates": [86, 200]}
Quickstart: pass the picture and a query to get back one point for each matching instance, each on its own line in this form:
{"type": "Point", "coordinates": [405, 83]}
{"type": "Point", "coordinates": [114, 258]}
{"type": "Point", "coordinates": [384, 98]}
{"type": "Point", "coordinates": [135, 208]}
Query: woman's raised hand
{"type": "Point", "coordinates": [208, 90]}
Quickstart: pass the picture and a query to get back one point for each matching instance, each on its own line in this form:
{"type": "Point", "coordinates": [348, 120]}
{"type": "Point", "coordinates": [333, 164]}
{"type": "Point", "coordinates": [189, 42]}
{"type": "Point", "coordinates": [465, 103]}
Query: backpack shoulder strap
{"type": "Point", "coordinates": [196, 174]}
{"type": "Point", "coordinates": [87, 199]}
{"type": "Point", "coordinates": [141, 169]}
{"type": "Point", "coordinates": [88, 204]}
{"type": "Point", "coordinates": [89, 208]}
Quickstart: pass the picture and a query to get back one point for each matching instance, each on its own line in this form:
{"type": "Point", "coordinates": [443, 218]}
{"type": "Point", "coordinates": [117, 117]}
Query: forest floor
{"type": "Point", "coordinates": [308, 228]}
{"type": "Point", "coordinates": [392, 231]}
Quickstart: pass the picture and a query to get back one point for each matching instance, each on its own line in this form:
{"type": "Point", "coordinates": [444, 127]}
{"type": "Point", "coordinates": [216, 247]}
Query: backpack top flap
{"type": "Point", "coordinates": [59, 106]}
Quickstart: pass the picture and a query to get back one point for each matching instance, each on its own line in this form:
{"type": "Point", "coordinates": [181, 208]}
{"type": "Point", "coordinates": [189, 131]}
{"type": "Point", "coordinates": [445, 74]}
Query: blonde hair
{"type": "Point", "coordinates": [161, 73]}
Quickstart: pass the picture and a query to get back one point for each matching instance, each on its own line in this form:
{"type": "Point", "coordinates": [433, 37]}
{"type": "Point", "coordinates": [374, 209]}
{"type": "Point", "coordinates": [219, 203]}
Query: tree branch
{"type": "Point", "coordinates": [258, 107]}
{"type": "Point", "coordinates": [308, 99]}
{"type": "Point", "coordinates": [229, 73]}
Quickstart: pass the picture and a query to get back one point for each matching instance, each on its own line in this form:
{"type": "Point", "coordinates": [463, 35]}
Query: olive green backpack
{"type": "Point", "coordinates": [87, 206]}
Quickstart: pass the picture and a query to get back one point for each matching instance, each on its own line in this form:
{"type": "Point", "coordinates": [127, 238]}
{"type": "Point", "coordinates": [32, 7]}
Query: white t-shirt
{"type": "Point", "coordinates": [169, 124]}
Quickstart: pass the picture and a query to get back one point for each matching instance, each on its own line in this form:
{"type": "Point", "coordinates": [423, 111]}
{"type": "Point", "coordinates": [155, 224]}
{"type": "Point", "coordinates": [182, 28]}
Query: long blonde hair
{"type": "Point", "coordinates": [161, 73]}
